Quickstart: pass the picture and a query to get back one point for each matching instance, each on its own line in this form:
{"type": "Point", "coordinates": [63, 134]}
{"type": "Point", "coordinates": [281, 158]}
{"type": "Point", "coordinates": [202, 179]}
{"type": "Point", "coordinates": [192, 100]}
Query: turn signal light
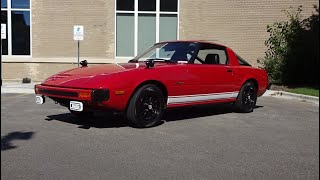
{"type": "Point", "coordinates": [36, 89]}
{"type": "Point", "coordinates": [84, 95]}
{"type": "Point", "coordinates": [119, 92]}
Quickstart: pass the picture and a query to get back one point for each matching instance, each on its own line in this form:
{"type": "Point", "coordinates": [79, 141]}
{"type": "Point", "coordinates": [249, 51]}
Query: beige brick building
{"type": "Point", "coordinates": [40, 41]}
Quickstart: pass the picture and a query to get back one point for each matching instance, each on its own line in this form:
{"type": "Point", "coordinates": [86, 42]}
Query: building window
{"type": "Point", "coordinates": [141, 23]}
{"type": "Point", "coordinates": [16, 15]}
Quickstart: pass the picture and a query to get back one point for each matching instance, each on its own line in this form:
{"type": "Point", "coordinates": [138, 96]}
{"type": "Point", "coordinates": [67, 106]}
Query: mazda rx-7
{"type": "Point", "coordinates": [167, 75]}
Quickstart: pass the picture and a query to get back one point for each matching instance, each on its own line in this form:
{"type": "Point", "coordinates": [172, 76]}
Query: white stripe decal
{"type": "Point", "coordinates": [120, 66]}
{"type": "Point", "coordinates": [201, 97]}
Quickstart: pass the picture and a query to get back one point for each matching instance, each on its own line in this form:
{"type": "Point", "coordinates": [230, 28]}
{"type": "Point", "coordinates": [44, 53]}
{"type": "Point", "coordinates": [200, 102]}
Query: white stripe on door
{"type": "Point", "coordinates": [201, 97]}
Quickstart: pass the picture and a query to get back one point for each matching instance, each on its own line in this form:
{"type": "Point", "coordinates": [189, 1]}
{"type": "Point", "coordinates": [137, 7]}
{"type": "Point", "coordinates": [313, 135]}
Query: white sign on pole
{"type": "Point", "coordinates": [3, 31]}
{"type": "Point", "coordinates": [78, 33]}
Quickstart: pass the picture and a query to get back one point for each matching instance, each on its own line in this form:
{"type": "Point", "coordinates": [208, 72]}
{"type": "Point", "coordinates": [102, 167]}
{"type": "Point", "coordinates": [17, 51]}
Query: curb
{"type": "Point", "coordinates": [16, 91]}
{"type": "Point", "coordinates": [17, 87]}
{"type": "Point", "coordinates": [288, 95]}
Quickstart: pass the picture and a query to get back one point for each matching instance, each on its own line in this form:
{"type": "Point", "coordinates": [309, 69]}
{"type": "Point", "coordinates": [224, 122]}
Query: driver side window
{"type": "Point", "coordinates": [208, 54]}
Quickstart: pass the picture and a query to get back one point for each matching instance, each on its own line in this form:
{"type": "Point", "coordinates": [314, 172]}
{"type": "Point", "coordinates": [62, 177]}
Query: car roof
{"type": "Point", "coordinates": [193, 41]}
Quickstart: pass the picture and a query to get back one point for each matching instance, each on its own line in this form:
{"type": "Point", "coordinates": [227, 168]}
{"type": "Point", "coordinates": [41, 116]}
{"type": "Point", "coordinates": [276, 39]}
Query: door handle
{"type": "Point", "coordinates": [229, 70]}
{"type": "Point", "coordinates": [179, 83]}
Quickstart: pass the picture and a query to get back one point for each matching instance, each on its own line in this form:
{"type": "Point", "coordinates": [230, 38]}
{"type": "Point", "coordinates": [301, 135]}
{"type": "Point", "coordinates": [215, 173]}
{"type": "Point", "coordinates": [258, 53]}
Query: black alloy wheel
{"type": "Point", "coordinates": [247, 98]}
{"type": "Point", "coordinates": [146, 106]}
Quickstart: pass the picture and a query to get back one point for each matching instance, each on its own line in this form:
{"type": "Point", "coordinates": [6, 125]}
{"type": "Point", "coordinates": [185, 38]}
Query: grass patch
{"type": "Point", "coordinates": [305, 90]}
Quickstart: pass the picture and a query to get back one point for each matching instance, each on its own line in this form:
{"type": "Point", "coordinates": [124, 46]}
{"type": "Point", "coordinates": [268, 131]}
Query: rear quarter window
{"type": "Point", "coordinates": [242, 62]}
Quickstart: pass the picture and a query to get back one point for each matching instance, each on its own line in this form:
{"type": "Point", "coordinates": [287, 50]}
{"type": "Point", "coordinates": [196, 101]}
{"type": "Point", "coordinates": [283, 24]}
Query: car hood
{"type": "Point", "coordinates": [90, 77]}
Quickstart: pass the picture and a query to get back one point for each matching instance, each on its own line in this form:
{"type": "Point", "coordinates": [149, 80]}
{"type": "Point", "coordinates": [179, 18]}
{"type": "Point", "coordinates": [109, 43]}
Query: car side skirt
{"type": "Point", "coordinates": [201, 98]}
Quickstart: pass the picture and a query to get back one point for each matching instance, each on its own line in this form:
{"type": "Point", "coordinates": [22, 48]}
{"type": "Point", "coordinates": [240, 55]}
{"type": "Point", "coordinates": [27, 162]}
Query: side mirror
{"type": "Point", "coordinates": [84, 63]}
{"type": "Point", "coordinates": [150, 63]}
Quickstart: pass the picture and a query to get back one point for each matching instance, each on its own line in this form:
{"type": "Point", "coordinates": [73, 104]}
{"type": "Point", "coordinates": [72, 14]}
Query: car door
{"type": "Point", "coordinates": [210, 72]}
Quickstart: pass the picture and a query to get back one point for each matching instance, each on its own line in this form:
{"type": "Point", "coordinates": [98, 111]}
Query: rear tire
{"type": "Point", "coordinates": [146, 107]}
{"type": "Point", "coordinates": [247, 98]}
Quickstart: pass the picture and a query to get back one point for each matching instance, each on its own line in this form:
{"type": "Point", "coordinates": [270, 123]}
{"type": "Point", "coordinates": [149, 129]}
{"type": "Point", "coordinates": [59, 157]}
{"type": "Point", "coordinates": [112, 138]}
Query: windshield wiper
{"type": "Point", "coordinates": [160, 60]}
{"type": "Point", "coordinates": [154, 59]}
{"type": "Point", "coordinates": [133, 61]}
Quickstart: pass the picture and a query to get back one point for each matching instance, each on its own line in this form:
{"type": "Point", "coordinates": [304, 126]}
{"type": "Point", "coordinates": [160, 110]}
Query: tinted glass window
{"type": "Point", "coordinates": [4, 41]}
{"type": "Point", "coordinates": [125, 5]}
{"type": "Point", "coordinates": [242, 62]}
{"type": "Point", "coordinates": [169, 5]}
{"type": "Point", "coordinates": [173, 52]}
{"type": "Point", "coordinates": [210, 54]}
{"type": "Point", "coordinates": [147, 31]}
{"type": "Point", "coordinates": [20, 32]}
{"type": "Point", "coordinates": [22, 4]}
{"type": "Point", "coordinates": [168, 27]}
{"type": "Point", "coordinates": [3, 3]}
{"type": "Point", "coordinates": [147, 5]}
{"type": "Point", "coordinates": [125, 34]}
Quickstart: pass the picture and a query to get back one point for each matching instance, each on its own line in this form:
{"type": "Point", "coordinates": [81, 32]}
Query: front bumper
{"type": "Point", "coordinates": [90, 95]}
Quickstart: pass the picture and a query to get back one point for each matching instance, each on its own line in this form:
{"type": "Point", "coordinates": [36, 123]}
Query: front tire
{"type": "Point", "coordinates": [247, 98]}
{"type": "Point", "coordinates": [146, 107]}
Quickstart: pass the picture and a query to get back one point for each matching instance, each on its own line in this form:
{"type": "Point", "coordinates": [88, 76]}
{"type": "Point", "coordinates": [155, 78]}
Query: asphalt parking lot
{"type": "Point", "coordinates": [279, 140]}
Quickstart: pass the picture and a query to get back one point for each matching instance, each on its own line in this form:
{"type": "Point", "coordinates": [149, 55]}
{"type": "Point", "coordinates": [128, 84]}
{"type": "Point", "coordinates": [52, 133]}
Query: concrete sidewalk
{"type": "Point", "coordinates": [288, 95]}
{"type": "Point", "coordinates": [28, 88]}
{"type": "Point", "coordinates": [18, 87]}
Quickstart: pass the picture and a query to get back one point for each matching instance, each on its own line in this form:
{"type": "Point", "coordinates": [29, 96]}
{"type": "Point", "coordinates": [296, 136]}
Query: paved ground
{"type": "Point", "coordinates": [279, 140]}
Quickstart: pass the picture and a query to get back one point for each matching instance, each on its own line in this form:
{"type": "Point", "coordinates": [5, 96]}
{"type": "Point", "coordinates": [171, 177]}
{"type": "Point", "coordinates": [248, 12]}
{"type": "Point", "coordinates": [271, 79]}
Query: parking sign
{"type": "Point", "coordinates": [3, 31]}
{"type": "Point", "coordinates": [78, 33]}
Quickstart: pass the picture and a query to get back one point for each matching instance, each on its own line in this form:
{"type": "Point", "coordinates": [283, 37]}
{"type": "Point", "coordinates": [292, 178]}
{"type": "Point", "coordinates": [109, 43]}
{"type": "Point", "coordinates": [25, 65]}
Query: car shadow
{"type": "Point", "coordinates": [100, 120]}
{"type": "Point", "coordinates": [117, 120]}
{"type": "Point", "coordinates": [6, 141]}
{"type": "Point", "coordinates": [190, 112]}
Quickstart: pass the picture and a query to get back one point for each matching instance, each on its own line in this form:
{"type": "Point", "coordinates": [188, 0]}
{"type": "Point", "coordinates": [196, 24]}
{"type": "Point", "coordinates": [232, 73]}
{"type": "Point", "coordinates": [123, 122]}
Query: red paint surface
{"type": "Point", "coordinates": [178, 79]}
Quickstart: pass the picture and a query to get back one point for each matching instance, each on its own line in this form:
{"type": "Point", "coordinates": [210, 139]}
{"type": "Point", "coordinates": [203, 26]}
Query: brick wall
{"type": "Point", "coordinates": [52, 28]}
{"type": "Point", "coordinates": [35, 71]}
{"type": "Point", "coordinates": [239, 24]}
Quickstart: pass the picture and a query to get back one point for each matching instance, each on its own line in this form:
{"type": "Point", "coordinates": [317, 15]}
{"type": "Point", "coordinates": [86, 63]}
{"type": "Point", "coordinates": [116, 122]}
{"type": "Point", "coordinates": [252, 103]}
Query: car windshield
{"type": "Point", "coordinates": [168, 52]}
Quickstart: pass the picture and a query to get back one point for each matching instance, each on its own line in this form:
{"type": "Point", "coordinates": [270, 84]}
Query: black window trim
{"type": "Point", "coordinates": [213, 46]}
{"type": "Point", "coordinates": [244, 62]}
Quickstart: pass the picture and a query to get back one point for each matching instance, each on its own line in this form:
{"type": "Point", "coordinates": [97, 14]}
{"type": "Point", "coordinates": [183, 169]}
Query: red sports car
{"type": "Point", "coordinates": [169, 74]}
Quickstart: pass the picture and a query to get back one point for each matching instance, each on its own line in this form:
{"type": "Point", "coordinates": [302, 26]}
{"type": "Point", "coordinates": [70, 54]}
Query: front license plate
{"type": "Point", "coordinates": [76, 106]}
{"type": "Point", "coordinates": [39, 100]}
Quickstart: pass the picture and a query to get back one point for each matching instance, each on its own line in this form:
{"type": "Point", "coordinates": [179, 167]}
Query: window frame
{"type": "Point", "coordinates": [242, 62]}
{"type": "Point", "coordinates": [136, 13]}
{"type": "Point", "coordinates": [9, 10]}
{"type": "Point", "coordinates": [213, 46]}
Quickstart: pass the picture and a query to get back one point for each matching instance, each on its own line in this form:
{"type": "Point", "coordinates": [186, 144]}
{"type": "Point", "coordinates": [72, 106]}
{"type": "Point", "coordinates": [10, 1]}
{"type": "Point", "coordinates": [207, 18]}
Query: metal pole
{"type": "Point", "coordinates": [78, 52]}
